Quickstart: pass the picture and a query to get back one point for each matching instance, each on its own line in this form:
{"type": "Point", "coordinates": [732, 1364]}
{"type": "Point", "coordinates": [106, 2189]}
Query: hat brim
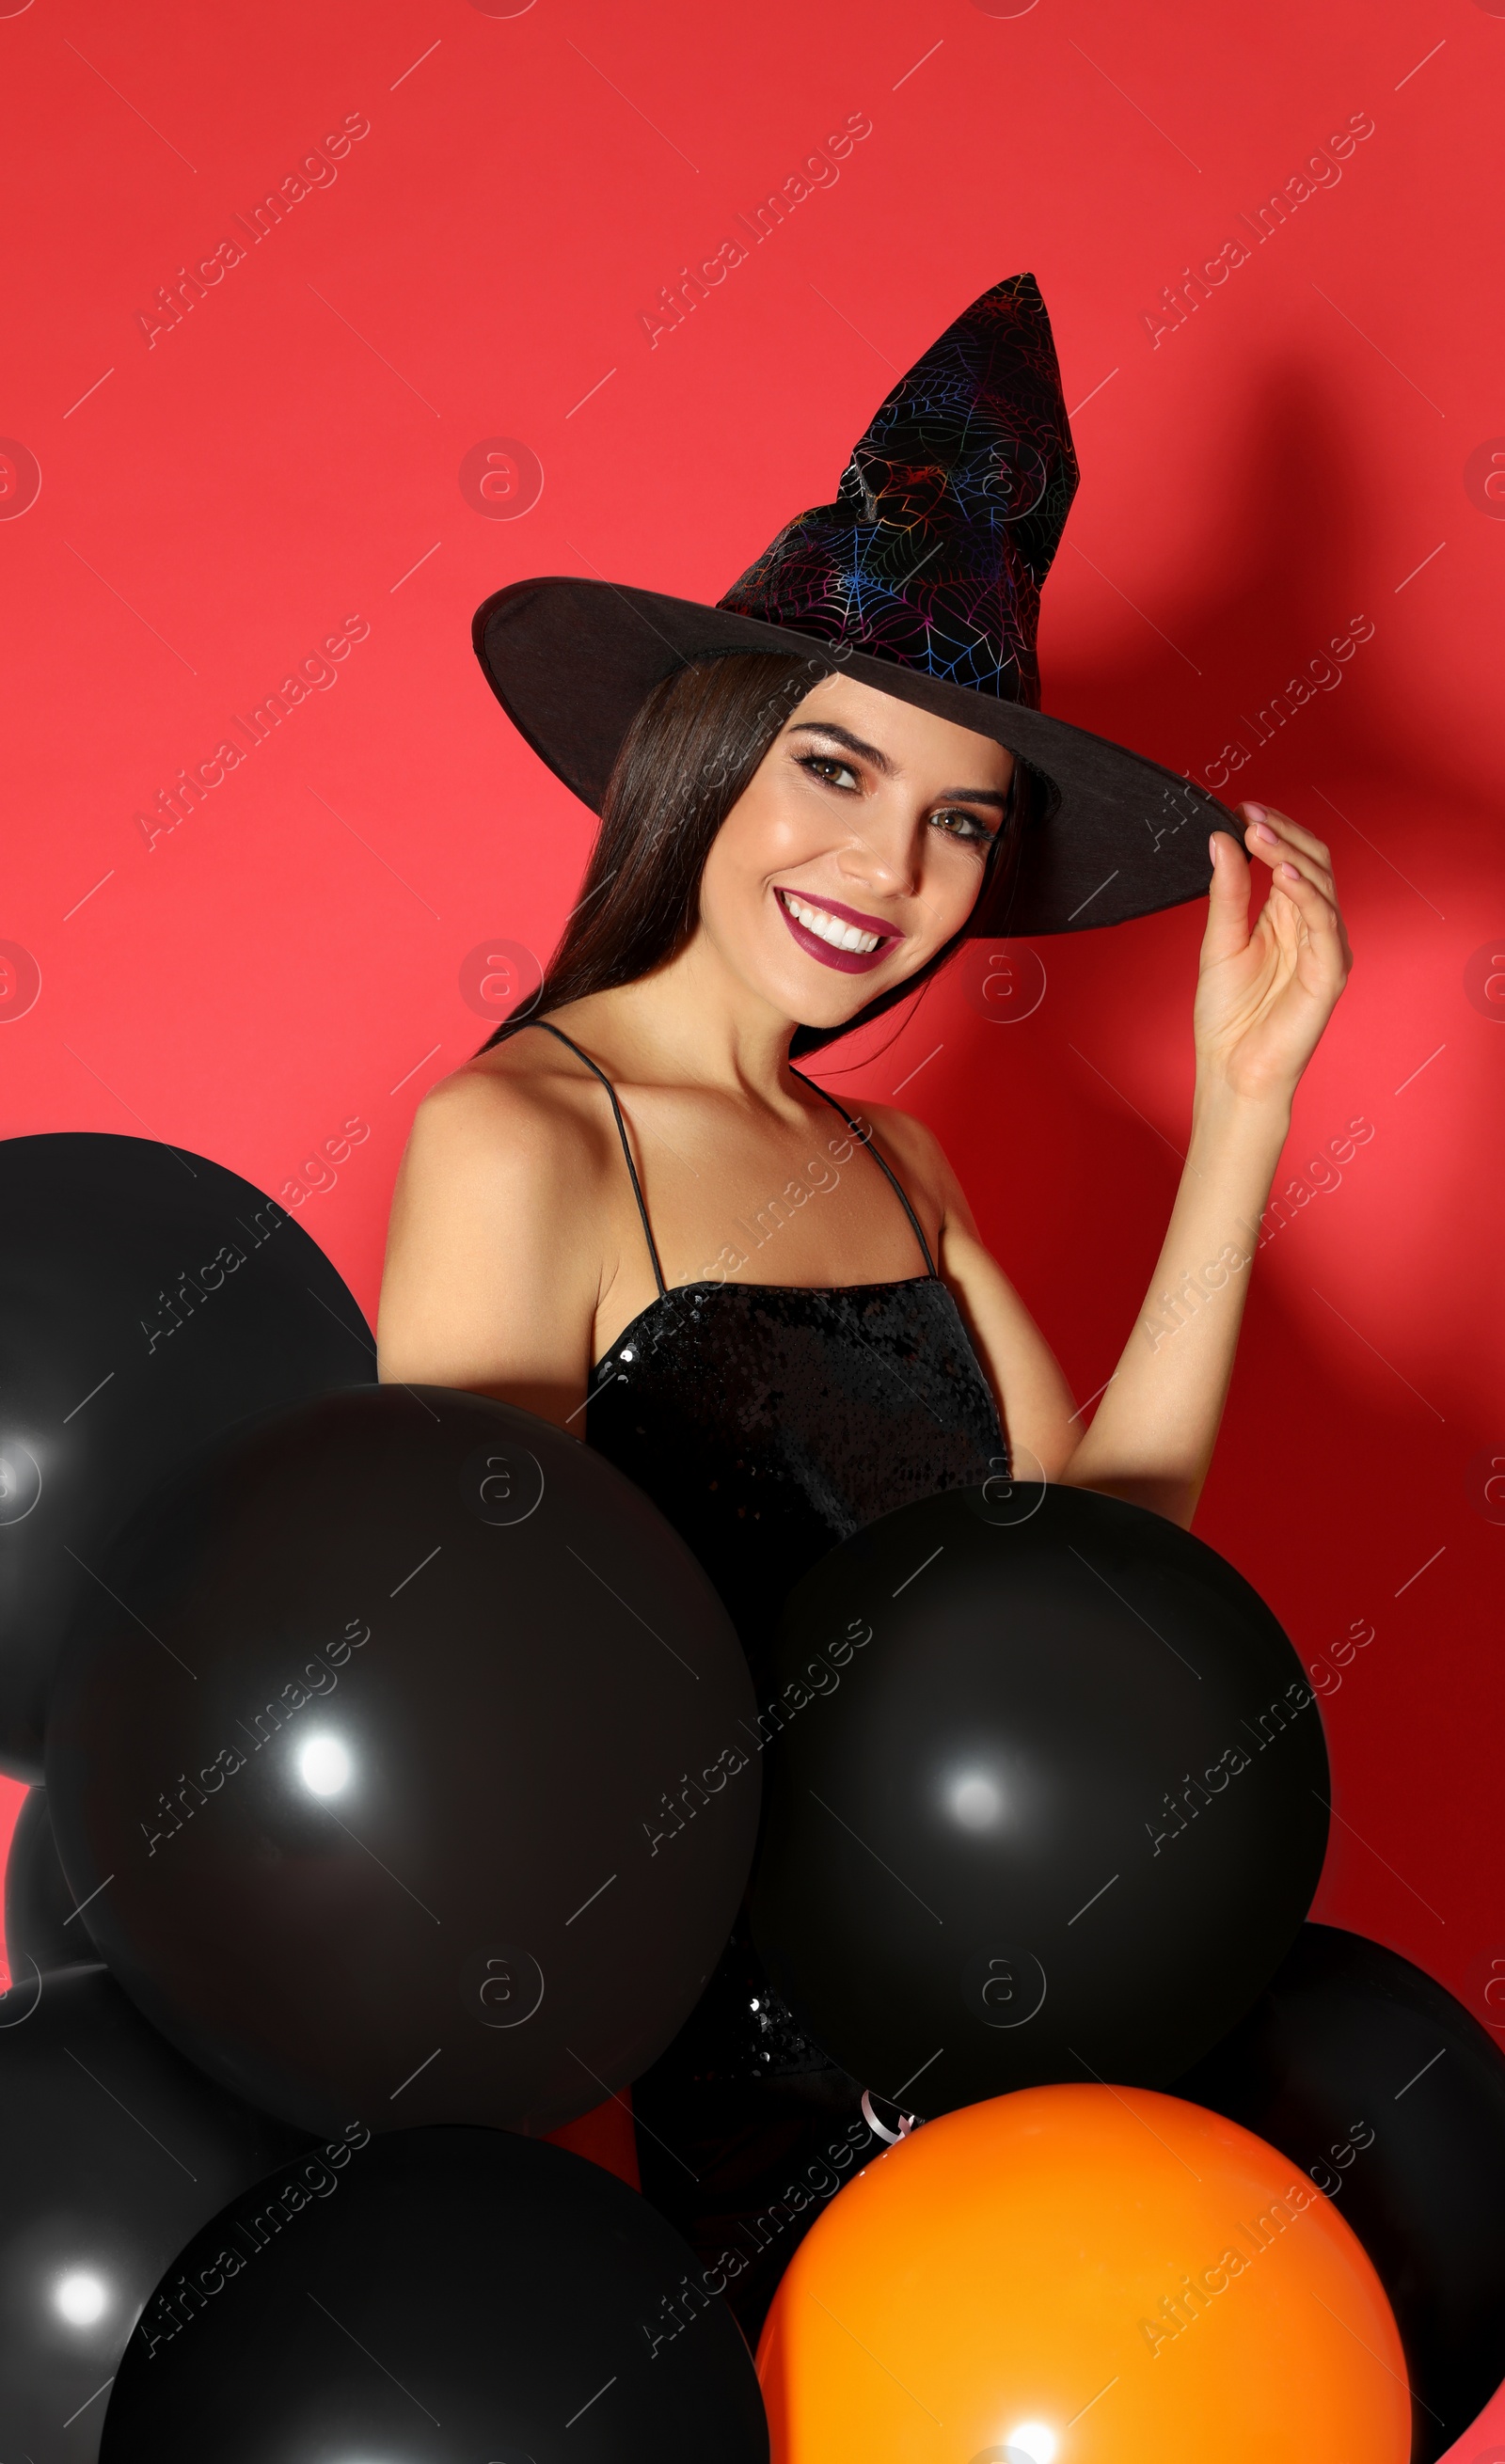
{"type": "Point", "coordinates": [571, 662]}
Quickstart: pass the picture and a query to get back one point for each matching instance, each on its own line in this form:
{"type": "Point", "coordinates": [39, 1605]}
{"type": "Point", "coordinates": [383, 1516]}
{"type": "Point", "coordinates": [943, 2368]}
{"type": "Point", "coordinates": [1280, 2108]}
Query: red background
{"type": "Point", "coordinates": [1309, 448]}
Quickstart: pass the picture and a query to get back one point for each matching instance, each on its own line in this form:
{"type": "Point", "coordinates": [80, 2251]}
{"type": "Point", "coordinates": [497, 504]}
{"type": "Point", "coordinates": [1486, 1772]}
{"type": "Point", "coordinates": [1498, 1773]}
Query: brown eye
{"type": "Point", "coordinates": [959, 824]}
{"type": "Point", "coordinates": [822, 766]}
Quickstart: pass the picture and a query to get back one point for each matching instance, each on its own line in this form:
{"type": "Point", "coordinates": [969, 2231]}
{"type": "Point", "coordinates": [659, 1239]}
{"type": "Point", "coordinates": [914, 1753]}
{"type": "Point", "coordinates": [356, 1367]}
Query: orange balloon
{"type": "Point", "coordinates": [1083, 2274]}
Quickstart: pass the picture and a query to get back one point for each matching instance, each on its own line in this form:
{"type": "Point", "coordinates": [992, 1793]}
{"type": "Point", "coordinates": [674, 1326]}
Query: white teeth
{"type": "Point", "coordinates": [829, 928]}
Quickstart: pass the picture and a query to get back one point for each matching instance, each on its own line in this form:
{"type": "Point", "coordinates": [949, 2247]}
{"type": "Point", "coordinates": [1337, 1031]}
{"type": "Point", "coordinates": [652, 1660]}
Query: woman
{"type": "Point", "coordinates": [630, 1213]}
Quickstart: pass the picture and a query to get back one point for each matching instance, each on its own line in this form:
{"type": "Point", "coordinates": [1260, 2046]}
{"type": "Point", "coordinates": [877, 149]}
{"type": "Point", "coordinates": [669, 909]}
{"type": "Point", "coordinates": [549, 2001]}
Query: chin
{"type": "Point", "coordinates": [812, 994]}
{"type": "Point", "coordinates": [836, 1003]}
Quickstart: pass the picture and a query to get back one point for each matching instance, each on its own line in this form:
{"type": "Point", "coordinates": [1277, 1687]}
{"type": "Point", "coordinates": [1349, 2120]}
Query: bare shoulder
{"type": "Point", "coordinates": [916, 1153]}
{"type": "Point", "coordinates": [523, 1112]}
{"type": "Point", "coordinates": [504, 1190]}
{"type": "Point", "coordinates": [499, 1234]}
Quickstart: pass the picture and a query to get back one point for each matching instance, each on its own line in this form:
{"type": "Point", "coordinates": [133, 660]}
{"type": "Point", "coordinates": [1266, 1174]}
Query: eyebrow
{"type": "Point", "coordinates": [881, 762]}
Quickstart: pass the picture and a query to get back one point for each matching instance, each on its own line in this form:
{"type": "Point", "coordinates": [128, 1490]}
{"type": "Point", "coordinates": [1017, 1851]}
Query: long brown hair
{"type": "Point", "coordinates": [690, 752]}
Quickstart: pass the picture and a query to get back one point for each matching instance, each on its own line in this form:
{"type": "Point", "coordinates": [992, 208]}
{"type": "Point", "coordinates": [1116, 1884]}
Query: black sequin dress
{"type": "Point", "coordinates": [768, 1422]}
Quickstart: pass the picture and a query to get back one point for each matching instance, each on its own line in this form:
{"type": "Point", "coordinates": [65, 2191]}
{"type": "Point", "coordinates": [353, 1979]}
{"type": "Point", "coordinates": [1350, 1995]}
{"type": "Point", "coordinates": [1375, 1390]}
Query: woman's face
{"type": "Point", "coordinates": [854, 853]}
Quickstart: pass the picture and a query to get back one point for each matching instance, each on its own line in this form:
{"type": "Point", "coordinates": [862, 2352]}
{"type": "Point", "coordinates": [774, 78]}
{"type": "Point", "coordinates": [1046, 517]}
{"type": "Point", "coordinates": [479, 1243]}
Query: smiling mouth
{"type": "Point", "coordinates": [836, 940]}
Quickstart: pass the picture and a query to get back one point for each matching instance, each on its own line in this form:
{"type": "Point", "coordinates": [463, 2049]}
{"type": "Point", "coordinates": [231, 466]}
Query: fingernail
{"type": "Point", "coordinates": [1255, 812]}
{"type": "Point", "coordinates": [1262, 833]}
{"type": "Point", "coordinates": [1290, 872]}
{"type": "Point", "coordinates": [1212, 847]}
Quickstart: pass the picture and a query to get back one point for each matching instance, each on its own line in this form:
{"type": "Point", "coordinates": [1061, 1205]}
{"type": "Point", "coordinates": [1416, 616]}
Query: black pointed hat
{"type": "Point", "coordinates": [921, 579]}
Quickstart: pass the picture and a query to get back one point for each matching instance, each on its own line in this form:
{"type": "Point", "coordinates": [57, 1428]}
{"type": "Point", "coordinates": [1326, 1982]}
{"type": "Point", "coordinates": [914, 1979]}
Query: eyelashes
{"type": "Point", "coordinates": [972, 833]}
{"type": "Point", "coordinates": [818, 764]}
{"type": "Point", "coordinates": [975, 833]}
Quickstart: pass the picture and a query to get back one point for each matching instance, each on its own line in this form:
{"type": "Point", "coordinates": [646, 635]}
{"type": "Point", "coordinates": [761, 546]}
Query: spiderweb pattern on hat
{"type": "Point", "coordinates": [948, 514]}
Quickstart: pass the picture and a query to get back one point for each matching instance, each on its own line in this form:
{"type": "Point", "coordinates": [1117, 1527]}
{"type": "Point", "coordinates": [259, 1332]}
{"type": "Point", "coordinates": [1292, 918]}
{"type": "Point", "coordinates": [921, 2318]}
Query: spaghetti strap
{"type": "Point", "coordinates": [621, 1125]}
{"type": "Point", "coordinates": [867, 1140]}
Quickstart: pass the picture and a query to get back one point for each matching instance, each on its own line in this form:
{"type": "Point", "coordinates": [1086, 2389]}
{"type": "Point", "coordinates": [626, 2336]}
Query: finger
{"type": "Point", "coordinates": [1318, 912]}
{"type": "Point", "coordinates": [1226, 929]}
{"type": "Point", "coordinates": [1289, 869]}
{"type": "Point", "coordinates": [1255, 812]}
{"type": "Point", "coordinates": [1293, 833]}
{"type": "Point", "coordinates": [1277, 848]}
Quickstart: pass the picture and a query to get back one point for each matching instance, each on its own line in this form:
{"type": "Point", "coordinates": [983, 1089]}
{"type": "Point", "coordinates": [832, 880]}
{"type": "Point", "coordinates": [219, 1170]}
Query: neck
{"type": "Point", "coordinates": [689, 1023]}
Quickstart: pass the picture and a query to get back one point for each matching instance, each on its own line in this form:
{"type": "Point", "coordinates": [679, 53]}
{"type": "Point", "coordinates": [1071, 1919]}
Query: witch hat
{"type": "Point", "coordinates": [921, 579]}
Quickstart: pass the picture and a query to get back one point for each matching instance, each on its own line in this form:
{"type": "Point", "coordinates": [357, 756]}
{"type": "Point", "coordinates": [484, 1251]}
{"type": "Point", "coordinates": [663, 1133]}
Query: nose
{"type": "Point", "coordinates": [884, 856]}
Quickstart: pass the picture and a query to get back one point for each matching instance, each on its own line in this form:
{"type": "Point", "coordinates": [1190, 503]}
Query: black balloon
{"type": "Point", "coordinates": [410, 1777]}
{"type": "Point", "coordinates": [1369, 2075]}
{"type": "Point", "coordinates": [42, 1926]}
{"type": "Point", "coordinates": [1047, 1797]}
{"type": "Point", "coordinates": [113, 2151]}
{"type": "Point", "coordinates": [445, 2294]}
{"type": "Point", "coordinates": [149, 1299]}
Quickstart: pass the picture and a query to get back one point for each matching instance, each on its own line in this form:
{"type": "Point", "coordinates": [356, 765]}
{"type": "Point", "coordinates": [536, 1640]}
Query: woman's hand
{"type": "Point", "coordinates": [1265, 995]}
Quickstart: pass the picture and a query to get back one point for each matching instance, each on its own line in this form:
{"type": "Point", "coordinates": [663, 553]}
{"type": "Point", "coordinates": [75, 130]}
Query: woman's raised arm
{"type": "Point", "coordinates": [1263, 998]}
